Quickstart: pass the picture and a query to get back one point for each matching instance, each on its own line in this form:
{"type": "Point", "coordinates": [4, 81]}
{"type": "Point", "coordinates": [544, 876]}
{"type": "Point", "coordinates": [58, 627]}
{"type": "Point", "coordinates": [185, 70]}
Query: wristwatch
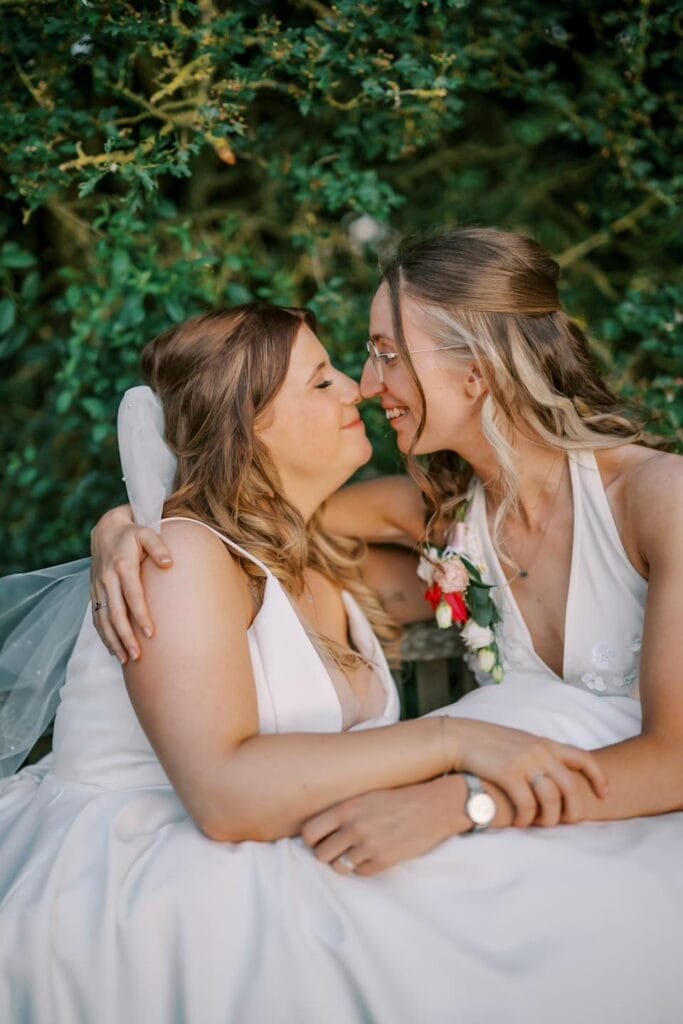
{"type": "Point", "coordinates": [480, 807]}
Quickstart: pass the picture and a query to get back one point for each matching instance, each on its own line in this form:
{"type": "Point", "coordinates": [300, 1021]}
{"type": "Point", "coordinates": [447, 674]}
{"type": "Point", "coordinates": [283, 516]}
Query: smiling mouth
{"type": "Point", "coordinates": [397, 413]}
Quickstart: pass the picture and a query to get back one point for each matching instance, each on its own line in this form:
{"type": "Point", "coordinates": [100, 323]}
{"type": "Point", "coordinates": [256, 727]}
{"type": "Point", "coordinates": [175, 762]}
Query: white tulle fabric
{"type": "Point", "coordinates": [113, 906]}
{"type": "Point", "coordinates": [41, 612]}
{"type": "Point", "coordinates": [40, 615]}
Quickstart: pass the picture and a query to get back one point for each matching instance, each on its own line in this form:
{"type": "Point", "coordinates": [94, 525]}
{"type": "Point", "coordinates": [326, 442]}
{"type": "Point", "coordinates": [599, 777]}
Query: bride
{"type": "Point", "coordinates": [114, 903]}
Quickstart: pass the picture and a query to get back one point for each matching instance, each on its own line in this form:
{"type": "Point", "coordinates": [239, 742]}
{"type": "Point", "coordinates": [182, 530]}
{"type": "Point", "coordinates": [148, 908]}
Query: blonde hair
{"type": "Point", "coordinates": [215, 375]}
{"type": "Point", "coordinates": [494, 295]}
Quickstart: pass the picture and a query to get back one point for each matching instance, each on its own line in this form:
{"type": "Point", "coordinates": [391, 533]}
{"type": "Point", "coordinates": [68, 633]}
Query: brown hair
{"type": "Point", "coordinates": [216, 375]}
{"type": "Point", "coordinates": [493, 295]}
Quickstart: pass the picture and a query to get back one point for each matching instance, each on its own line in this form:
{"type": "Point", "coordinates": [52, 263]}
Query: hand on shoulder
{"type": "Point", "coordinates": [205, 571]}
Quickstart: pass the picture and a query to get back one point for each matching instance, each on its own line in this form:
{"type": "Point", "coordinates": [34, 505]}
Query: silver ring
{"type": "Point", "coordinates": [99, 605]}
{"type": "Point", "coordinates": [346, 862]}
{"type": "Point", "coordinates": [539, 777]}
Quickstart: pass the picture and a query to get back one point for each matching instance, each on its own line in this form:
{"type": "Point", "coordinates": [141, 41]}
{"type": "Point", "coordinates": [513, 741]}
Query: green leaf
{"type": "Point", "coordinates": [14, 258]}
{"type": "Point", "coordinates": [8, 315]}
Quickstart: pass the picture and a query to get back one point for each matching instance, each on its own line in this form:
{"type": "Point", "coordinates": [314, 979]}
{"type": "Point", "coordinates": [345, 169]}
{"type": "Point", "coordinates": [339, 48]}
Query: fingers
{"type": "Point", "coordinates": [556, 787]}
{"type": "Point", "coordinates": [524, 801]}
{"type": "Point", "coordinates": [117, 616]}
{"type": "Point", "coordinates": [549, 799]}
{"type": "Point", "coordinates": [585, 762]}
{"type": "Point", "coordinates": [153, 544]}
{"type": "Point", "coordinates": [321, 825]}
{"type": "Point", "coordinates": [334, 846]}
{"type": "Point", "coordinates": [340, 845]}
{"type": "Point", "coordinates": [103, 626]}
{"type": "Point", "coordinates": [135, 602]}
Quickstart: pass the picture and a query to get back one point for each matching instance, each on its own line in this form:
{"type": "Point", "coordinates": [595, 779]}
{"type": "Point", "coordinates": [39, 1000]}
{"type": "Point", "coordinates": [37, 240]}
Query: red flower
{"type": "Point", "coordinates": [458, 607]}
{"type": "Point", "coordinates": [434, 595]}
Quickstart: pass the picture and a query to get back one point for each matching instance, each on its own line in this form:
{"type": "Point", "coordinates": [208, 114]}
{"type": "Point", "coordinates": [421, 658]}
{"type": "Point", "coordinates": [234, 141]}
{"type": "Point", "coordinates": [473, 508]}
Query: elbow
{"type": "Point", "coordinates": [233, 821]}
{"type": "Point", "coordinates": [231, 830]}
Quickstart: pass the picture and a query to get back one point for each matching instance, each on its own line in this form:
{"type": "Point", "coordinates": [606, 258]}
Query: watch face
{"type": "Point", "coordinates": [481, 808]}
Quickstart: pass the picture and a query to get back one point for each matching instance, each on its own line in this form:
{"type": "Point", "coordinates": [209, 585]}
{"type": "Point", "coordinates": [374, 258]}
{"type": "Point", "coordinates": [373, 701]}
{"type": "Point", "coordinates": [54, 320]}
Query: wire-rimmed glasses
{"type": "Point", "coordinates": [381, 359]}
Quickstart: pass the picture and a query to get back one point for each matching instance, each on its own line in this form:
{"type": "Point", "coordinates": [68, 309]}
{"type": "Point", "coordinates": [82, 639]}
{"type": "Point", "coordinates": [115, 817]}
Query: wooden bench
{"type": "Point", "coordinates": [433, 673]}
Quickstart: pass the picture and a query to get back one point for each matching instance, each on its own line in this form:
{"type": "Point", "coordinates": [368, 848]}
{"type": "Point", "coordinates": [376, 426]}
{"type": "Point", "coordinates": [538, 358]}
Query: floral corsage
{"type": "Point", "coordinates": [458, 595]}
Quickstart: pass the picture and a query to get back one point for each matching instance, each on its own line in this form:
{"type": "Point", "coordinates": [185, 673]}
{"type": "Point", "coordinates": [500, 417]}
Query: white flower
{"type": "Point", "coordinates": [425, 571]}
{"type": "Point", "coordinates": [444, 615]}
{"type": "Point", "coordinates": [476, 636]}
{"type": "Point", "coordinates": [497, 673]}
{"type": "Point", "coordinates": [603, 655]}
{"type": "Point", "coordinates": [486, 659]}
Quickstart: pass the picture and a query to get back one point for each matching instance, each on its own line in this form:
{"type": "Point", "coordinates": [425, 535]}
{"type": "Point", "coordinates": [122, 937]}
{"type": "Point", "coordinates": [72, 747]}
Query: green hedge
{"type": "Point", "coordinates": [159, 159]}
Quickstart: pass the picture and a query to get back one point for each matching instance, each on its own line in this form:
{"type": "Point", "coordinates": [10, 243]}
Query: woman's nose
{"type": "Point", "coordinates": [352, 395]}
{"type": "Point", "coordinates": [370, 386]}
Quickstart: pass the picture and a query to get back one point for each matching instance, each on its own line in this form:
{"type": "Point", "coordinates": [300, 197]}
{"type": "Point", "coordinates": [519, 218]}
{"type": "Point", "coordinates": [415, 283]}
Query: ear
{"type": "Point", "coordinates": [475, 385]}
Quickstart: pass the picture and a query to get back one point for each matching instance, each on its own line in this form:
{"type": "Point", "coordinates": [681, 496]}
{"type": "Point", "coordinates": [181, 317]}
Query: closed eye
{"type": "Point", "coordinates": [324, 384]}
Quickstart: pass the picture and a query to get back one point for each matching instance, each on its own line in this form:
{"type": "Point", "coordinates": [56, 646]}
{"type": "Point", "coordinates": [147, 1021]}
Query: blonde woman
{"type": "Point", "coordinates": [238, 722]}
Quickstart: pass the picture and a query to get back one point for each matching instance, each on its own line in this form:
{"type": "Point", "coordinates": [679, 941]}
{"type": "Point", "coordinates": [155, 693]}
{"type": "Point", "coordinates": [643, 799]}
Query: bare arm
{"type": "Point", "coordinates": [194, 693]}
{"type": "Point", "coordinates": [388, 510]}
{"type": "Point", "coordinates": [646, 772]}
{"type": "Point", "coordinates": [391, 571]}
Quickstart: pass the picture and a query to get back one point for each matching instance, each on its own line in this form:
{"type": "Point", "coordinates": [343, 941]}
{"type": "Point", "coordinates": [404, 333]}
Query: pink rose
{"type": "Point", "coordinates": [452, 576]}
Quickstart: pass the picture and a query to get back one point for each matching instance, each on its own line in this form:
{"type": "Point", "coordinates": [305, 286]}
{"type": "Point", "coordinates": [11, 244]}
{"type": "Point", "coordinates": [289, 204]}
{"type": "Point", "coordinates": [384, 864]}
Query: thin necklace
{"type": "Point", "coordinates": [523, 574]}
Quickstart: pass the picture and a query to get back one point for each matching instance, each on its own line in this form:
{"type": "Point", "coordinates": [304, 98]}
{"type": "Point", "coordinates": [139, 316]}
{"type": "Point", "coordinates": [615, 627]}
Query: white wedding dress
{"type": "Point", "coordinates": [114, 907]}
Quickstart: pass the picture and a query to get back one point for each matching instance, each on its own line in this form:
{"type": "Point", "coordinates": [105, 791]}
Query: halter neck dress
{"type": "Point", "coordinates": [114, 907]}
{"type": "Point", "coordinates": [602, 635]}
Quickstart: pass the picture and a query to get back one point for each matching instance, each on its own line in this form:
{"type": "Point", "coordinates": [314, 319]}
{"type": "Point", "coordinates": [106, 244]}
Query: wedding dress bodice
{"type": "Point", "coordinates": [98, 739]}
{"type": "Point", "coordinates": [605, 601]}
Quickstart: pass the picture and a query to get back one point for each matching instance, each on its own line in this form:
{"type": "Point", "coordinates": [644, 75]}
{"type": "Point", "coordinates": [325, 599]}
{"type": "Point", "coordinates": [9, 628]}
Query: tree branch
{"type": "Point", "coordinates": [625, 223]}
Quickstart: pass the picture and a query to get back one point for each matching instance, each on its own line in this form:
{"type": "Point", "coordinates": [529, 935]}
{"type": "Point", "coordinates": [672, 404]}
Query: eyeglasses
{"type": "Point", "coordinates": [381, 359]}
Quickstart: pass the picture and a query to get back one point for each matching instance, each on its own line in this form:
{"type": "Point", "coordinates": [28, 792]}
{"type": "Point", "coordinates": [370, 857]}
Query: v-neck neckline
{"type": "Point", "coordinates": [356, 618]}
{"type": "Point", "coordinates": [512, 600]}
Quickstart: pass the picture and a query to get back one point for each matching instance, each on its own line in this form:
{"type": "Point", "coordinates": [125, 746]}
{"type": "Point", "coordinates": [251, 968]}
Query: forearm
{"type": "Point", "coordinates": [645, 777]}
{"type": "Point", "coordinates": [383, 510]}
{"type": "Point", "coordinates": [270, 785]}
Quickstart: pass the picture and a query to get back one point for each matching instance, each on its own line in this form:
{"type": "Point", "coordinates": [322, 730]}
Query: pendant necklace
{"type": "Point", "coordinates": [523, 574]}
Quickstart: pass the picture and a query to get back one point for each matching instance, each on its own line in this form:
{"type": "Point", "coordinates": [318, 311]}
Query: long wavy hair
{"type": "Point", "coordinates": [494, 295]}
{"type": "Point", "coordinates": [216, 375]}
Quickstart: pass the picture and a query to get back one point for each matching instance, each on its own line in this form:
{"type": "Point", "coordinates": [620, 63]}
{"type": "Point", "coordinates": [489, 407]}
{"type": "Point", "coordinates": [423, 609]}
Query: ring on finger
{"type": "Point", "coordinates": [99, 606]}
{"type": "Point", "coordinates": [538, 777]}
{"type": "Point", "coordinates": [346, 862]}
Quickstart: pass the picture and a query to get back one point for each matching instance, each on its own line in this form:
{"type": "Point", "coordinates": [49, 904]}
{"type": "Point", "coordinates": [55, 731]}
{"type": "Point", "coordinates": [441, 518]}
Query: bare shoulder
{"type": "Point", "coordinates": [635, 472]}
{"type": "Point", "coordinates": [203, 568]}
{"type": "Point", "coordinates": [648, 487]}
{"type": "Point", "coordinates": [188, 540]}
{"type": "Point", "coordinates": [652, 480]}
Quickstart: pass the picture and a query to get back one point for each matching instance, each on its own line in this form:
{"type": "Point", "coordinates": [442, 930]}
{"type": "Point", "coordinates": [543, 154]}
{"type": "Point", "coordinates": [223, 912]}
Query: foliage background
{"type": "Point", "coordinates": [161, 158]}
